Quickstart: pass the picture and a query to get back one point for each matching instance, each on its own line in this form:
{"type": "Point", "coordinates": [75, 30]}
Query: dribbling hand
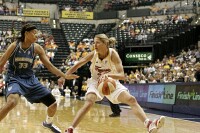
{"type": "Point", "coordinates": [103, 77]}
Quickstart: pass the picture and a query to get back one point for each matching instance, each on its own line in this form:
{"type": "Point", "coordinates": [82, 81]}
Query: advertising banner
{"type": "Point", "coordinates": [169, 94]}
{"type": "Point", "coordinates": [195, 93]}
{"type": "Point", "coordinates": [183, 94]}
{"type": "Point", "coordinates": [155, 93]}
{"type": "Point", "coordinates": [188, 95]}
{"type": "Point", "coordinates": [77, 14]}
{"type": "Point", "coordinates": [138, 56]}
{"type": "Point", "coordinates": [34, 12]}
{"type": "Point", "coordinates": [140, 92]}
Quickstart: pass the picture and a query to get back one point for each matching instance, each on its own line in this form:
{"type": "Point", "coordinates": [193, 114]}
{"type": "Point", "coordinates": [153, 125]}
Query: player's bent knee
{"type": "Point", "coordinates": [90, 102]}
{"type": "Point", "coordinates": [53, 105]}
{"type": "Point", "coordinates": [131, 101]}
{"type": "Point", "coordinates": [48, 100]}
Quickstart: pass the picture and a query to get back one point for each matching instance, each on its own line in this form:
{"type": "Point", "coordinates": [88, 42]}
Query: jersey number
{"type": "Point", "coordinates": [23, 65]}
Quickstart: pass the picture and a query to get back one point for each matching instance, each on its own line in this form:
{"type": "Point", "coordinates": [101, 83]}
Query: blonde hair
{"type": "Point", "coordinates": [110, 42]}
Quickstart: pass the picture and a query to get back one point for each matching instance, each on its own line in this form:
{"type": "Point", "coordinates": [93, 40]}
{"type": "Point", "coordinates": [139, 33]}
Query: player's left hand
{"type": "Point", "coordinates": [103, 77]}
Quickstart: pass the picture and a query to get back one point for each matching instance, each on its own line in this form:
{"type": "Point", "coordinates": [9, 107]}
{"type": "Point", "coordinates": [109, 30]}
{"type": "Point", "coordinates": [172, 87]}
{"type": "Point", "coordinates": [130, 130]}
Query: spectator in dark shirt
{"type": "Point", "coordinates": [197, 73]}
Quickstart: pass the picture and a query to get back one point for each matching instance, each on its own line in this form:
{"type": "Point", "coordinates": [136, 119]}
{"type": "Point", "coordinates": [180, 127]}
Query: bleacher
{"type": "Point", "coordinates": [78, 31]}
{"type": "Point", "coordinates": [74, 5]}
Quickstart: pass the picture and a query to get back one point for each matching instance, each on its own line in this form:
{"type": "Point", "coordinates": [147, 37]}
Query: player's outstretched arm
{"type": "Point", "coordinates": [80, 63]}
{"type": "Point", "coordinates": [40, 51]}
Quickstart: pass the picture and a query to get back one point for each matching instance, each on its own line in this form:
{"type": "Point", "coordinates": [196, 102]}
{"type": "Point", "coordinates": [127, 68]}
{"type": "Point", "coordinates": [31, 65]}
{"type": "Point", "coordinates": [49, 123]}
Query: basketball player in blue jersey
{"type": "Point", "coordinates": [21, 79]}
{"type": "Point", "coordinates": [105, 62]}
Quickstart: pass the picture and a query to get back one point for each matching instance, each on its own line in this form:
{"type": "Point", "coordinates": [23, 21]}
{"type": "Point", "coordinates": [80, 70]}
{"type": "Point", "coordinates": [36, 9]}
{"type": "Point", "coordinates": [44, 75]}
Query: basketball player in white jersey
{"type": "Point", "coordinates": [107, 63]}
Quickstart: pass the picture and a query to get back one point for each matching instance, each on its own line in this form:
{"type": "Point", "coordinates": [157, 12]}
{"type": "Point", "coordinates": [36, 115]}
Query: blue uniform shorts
{"type": "Point", "coordinates": [30, 88]}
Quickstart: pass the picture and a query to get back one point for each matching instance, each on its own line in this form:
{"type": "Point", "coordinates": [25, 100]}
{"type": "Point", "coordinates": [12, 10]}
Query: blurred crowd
{"type": "Point", "coordinates": [171, 68]}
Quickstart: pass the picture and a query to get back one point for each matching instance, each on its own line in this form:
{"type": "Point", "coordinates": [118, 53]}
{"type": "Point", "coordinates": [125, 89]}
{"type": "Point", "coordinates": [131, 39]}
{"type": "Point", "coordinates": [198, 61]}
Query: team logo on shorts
{"type": "Point", "coordinates": [10, 88]}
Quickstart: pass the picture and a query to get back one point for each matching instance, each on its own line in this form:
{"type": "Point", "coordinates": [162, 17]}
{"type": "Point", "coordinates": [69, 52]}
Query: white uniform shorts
{"type": "Point", "coordinates": [113, 97]}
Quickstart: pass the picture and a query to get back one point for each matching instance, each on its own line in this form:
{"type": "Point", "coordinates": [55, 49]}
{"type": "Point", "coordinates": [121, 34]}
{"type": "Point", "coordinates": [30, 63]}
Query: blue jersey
{"type": "Point", "coordinates": [21, 79]}
{"type": "Point", "coordinates": [21, 61]}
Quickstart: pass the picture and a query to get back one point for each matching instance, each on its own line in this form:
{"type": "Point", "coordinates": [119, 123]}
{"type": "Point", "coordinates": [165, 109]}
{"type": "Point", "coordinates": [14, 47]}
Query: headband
{"type": "Point", "coordinates": [30, 28]}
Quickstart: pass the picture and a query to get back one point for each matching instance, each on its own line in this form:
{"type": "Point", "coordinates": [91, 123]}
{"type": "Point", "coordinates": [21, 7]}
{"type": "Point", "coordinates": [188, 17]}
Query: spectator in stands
{"type": "Point", "coordinates": [1, 10]}
{"type": "Point", "coordinates": [165, 9]}
{"type": "Point", "coordinates": [52, 85]}
{"type": "Point", "coordinates": [46, 83]}
{"type": "Point", "coordinates": [194, 3]}
{"type": "Point", "coordinates": [71, 45]}
{"type": "Point", "coordinates": [107, 6]}
{"type": "Point", "coordinates": [132, 33]}
{"type": "Point", "coordinates": [20, 10]}
{"type": "Point", "coordinates": [44, 20]}
{"type": "Point", "coordinates": [154, 10]}
{"type": "Point", "coordinates": [38, 65]}
{"type": "Point", "coordinates": [197, 71]}
{"type": "Point", "coordinates": [151, 79]}
{"type": "Point", "coordinates": [51, 55]}
{"type": "Point", "coordinates": [142, 80]}
{"type": "Point", "coordinates": [55, 91]}
{"type": "Point", "coordinates": [63, 67]}
{"type": "Point", "coordinates": [84, 87]}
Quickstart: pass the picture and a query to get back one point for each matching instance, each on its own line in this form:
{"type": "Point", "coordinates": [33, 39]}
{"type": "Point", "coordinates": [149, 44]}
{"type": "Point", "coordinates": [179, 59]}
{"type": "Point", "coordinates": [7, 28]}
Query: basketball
{"type": "Point", "coordinates": [107, 86]}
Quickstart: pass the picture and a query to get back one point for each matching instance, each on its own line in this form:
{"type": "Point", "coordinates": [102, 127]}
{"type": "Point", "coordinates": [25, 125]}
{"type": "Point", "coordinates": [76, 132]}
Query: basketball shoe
{"type": "Point", "coordinates": [69, 130]}
{"type": "Point", "coordinates": [154, 125]}
{"type": "Point", "coordinates": [52, 127]}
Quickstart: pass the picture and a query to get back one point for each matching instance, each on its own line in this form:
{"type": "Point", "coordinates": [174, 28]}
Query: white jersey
{"type": "Point", "coordinates": [99, 66]}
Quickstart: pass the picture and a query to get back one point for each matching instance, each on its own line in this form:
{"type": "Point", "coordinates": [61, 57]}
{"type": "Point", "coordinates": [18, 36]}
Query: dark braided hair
{"type": "Point", "coordinates": [26, 27]}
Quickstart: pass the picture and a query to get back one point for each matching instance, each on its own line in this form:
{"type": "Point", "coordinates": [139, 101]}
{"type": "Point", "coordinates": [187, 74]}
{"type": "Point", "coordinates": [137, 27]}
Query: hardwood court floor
{"type": "Point", "coordinates": [27, 118]}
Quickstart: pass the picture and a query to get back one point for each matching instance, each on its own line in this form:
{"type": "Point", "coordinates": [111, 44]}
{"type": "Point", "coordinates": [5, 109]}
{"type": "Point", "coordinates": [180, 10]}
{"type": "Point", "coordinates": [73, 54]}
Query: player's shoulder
{"type": "Point", "coordinates": [37, 46]}
{"type": "Point", "coordinates": [112, 51]}
{"type": "Point", "coordinates": [12, 45]}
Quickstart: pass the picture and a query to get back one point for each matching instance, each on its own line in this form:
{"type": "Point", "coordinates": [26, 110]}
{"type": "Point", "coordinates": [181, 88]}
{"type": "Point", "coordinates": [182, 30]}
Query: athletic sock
{"type": "Point", "coordinates": [71, 127]}
{"type": "Point", "coordinates": [49, 119]}
{"type": "Point", "coordinates": [147, 122]}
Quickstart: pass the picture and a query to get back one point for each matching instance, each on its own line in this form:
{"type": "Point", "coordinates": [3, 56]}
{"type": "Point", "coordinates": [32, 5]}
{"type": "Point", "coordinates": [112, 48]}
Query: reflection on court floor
{"type": "Point", "coordinates": [28, 118]}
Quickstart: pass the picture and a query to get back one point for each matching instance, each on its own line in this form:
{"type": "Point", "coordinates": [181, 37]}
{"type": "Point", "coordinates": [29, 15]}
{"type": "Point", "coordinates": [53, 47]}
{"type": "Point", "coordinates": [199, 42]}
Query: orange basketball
{"type": "Point", "coordinates": [107, 86]}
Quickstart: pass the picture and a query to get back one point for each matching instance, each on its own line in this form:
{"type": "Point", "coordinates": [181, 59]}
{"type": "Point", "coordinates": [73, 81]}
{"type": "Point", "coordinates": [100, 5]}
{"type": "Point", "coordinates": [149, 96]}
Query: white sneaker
{"type": "Point", "coordinates": [69, 130]}
{"type": "Point", "coordinates": [156, 124]}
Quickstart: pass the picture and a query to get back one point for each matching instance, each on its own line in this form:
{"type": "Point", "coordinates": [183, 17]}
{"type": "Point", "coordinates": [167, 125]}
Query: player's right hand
{"type": "Point", "coordinates": [61, 81]}
{"type": "Point", "coordinates": [71, 76]}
